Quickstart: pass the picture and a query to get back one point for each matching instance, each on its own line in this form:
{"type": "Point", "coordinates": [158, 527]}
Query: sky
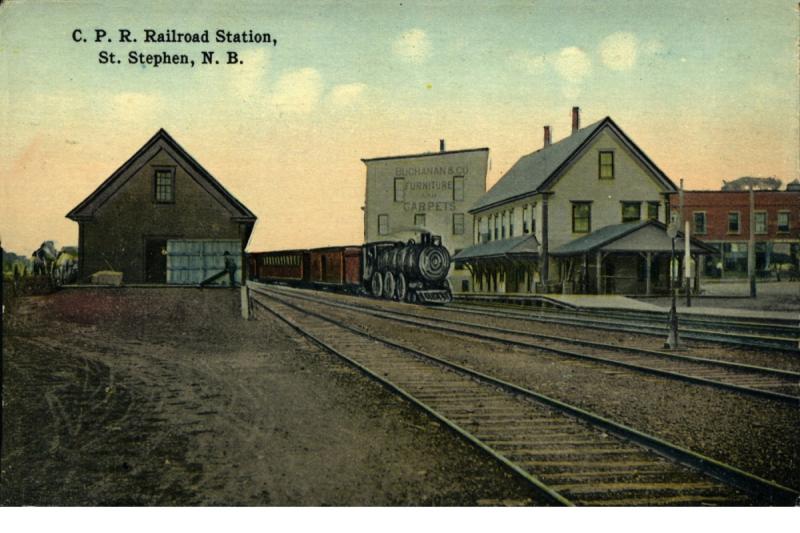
{"type": "Point", "coordinates": [709, 90]}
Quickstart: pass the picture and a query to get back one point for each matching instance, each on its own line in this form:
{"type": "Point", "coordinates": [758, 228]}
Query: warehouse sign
{"type": "Point", "coordinates": [422, 207]}
{"type": "Point", "coordinates": [439, 170]}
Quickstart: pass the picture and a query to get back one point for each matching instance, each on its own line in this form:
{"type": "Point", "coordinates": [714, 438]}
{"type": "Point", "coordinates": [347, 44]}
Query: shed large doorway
{"type": "Point", "coordinates": [155, 257]}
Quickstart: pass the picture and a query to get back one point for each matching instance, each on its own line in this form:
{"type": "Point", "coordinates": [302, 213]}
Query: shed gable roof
{"type": "Point", "coordinates": [161, 140]}
{"type": "Point", "coordinates": [612, 238]}
{"type": "Point", "coordinates": [537, 171]}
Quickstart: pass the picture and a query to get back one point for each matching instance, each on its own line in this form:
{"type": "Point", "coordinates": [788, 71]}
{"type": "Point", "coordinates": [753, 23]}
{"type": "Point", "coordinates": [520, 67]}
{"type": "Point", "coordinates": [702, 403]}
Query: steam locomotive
{"type": "Point", "coordinates": [402, 271]}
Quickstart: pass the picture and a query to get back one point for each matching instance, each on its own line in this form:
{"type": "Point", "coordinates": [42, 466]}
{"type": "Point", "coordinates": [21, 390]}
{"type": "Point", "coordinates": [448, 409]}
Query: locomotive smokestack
{"type": "Point", "coordinates": [576, 119]}
{"type": "Point", "coordinates": [441, 145]}
{"type": "Point", "coordinates": [546, 136]}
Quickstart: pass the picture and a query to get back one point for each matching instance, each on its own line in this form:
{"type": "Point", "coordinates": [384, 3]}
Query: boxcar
{"type": "Point", "coordinates": [288, 266]}
{"type": "Point", "coordinates": [336, 267]}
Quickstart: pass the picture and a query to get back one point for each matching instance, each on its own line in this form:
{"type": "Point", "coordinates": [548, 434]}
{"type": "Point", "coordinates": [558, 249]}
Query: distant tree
{"type": "Point", "coordinates": [758, 184]}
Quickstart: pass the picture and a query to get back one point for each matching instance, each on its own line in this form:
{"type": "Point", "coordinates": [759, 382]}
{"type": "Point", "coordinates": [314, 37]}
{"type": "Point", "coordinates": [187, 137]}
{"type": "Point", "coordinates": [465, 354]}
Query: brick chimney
{"type": "Point", "coordinates": [576, 119]}
{"type": "Point", "coordinates": [546, 136]}
{"type": "Point", "coordinates": [441, 145]}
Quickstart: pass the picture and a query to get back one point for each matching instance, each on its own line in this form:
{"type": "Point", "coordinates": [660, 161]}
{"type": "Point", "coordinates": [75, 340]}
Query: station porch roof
{"type": "Point", "coordinates": [523, 245]}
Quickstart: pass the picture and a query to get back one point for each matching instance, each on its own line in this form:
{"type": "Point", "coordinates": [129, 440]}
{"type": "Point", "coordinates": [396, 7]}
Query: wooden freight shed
{"type": "Point", "coordinates": [161, 218]}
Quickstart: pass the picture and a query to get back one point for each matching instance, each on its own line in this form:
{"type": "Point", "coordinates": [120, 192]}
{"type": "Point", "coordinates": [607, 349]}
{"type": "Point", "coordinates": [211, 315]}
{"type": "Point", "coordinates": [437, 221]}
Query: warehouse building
{"type": "Point", "coordinates": [161, 218]}
{"type": "Point", "coordinates": [584, 214]}
{"type": "Point", "coordinates": [410, 194]}
{"type": "Point", "coordinates": [722, 219]}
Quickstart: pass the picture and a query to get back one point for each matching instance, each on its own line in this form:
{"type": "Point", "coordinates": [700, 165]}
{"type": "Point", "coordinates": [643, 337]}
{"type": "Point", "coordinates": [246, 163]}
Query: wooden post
{"type": "Point", "coordinates": [245, 301]}
{"type": "Point", "coordinates": [648, 258]}
{"type": "Point", "coordinates": [599, 268]}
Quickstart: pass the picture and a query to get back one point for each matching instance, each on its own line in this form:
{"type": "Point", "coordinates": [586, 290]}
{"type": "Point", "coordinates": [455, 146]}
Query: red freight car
{"type": "Point", "coordinates": [289, 266]}
{"type": "Point", "coordinates": [338, 267]}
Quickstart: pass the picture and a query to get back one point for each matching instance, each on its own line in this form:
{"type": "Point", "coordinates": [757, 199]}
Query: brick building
{"type": "Point", "coordinates": [722, 219]}
{"type": "Point", "coordinates": [160, 218]}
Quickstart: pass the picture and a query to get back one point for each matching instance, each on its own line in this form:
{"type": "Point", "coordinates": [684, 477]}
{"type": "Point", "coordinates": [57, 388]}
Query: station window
{"type": "Point", "coordinates": [631, 211]}
{"type": "Point", "coordinates": [606, 166]}
{"type": "Point", "coordinates": [419, 220]}
{"type": "Point", "coordinates": [458, 223]}
{"type": "Point", "coordinates": [496, 227]}
{"type": "Point", "coordinates": [525, 227]}
{"type": "Point", "coordinates": [503, 228]}
{"type": "Point", "coordinates": [399, 189]}
{"type": "Point", "coordinates": [533, 218]}
{"type": "Point", "coordinates": [383, 224]}
{"type": "Point", "coordinates": [783, 221]}
{"type": "Point", "coordinates": [733, 222]}
{"type": "Point", "coordinates": [458, 188]}
{"type": "Point", "coordinates": [699, 218]}
{"type": "Point", "coordinates": [581, 217]}
{"type": "Point", "coordinates": [165, 185]}
{"type": "Point", "coordinates": [652, 210]}
{"type": "Point", "coordinates": [760, 218]}
{"type": "Point", "coordinates": [510, 223]}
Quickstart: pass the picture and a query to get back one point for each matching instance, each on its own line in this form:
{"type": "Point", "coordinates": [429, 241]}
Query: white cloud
{"type": "Point", "coordinates": [297, 91]}
{"type": "Point", "coordinates": [347, 94]}
{"type": "Point", "coordinates": [572, 64]}
{"type": "Point", "coordinates": [412, 46]}
{"type": "Point", "coordinates": [248, 77]}
{"type": "Point", "coordinates": [619, 50]}
{"type": "Point", "coordinates": [653, 47]}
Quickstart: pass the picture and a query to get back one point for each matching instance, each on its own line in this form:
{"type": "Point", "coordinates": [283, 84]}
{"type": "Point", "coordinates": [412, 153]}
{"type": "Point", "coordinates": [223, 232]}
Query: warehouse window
{"type": "Point", "coordinates": [458, 189]}
{"type": "Point", "coordinates": [699, 222]}
{"type": "Point", "coordinates": [733, 222]}
{"type": "Point", "coordinates": [383, 224]}
{"type": "Point", "coordinates": [631, 211]}
{"type": "Point", "coordinates": [457, 265]}
{"type": "Point", "coordinates": [419, 220]}
{"type": "Point", "coordinates": [760, 218]}
{"type": "Point", "coordinates": [652, 210]}
{"type": "Point", "coordinates": [581, 217]}
{"type": "Point", "coordinates": [399, 189]}
{"type": "Point", "coordinates": [165, 185]}
{"type": "Point", "coordinates": [783, 221]}
{"type": "Point", "coordinates": [458, 223]}
{"type": "Point", "coordinates": [606, 166]}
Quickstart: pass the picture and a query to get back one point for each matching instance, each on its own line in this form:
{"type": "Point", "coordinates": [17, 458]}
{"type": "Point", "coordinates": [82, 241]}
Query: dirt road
{"type": "Point", "coordinates": [167, 397]}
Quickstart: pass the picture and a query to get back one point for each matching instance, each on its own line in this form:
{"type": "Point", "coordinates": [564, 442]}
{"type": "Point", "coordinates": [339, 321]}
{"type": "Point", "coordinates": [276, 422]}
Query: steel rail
{"type": "Point", "coordinates": [419, 321]}
{"type": "Point", "coordinates": [774, 493]}
{"type": "Point", "coordinates": [738, 339]}
{"type": "Point", "coordinates": [538, 484]}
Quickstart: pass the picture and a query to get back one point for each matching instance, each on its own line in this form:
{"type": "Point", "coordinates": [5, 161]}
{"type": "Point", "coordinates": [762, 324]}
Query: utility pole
{"type": "Point", "coordinates": [679, 223]}
{"type": "Point", "coordinates": [672, 337]}
{"type": "Point", "coordinates": [688, 271]}
{"type": "Point", "coordinates": [751, 245]}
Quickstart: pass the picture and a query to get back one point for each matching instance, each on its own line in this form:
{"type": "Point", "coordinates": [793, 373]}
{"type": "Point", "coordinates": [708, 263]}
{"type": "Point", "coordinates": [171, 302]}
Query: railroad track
{"type": "Point", "coordinates": [570, 456]}
{"type": "Point", "coordinates": [775, 384]}
{"type": "Point", "coordinates": [777, 335]}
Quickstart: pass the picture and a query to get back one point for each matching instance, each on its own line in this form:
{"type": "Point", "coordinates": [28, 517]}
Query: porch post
{"type": "Point", "coordinates": [648, 259]}
{"type": "Point", "coordinates": [599, 267]}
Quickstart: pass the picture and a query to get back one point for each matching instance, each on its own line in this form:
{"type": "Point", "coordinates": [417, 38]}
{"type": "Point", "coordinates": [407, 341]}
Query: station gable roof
{"type": "Point", "coordinates": [161, 140]}
{"type": "Point", "coordinates": [523, 245]}
{"type": "Point", "coordinates": [640, 236]}
{"type": "Point", "coordinates": [537, 171]}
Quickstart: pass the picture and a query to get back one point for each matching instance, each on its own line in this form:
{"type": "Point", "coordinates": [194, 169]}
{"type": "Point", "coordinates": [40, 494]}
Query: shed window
{"type": "Point", "coordinates": [652, 210]}
{"type": "Point", "coordinates": [165, 186]}
{"type": "Point", "coordinates": [581, 217]}
{"type": "Point", "coordinates": [419, 220]}
{"type": "Point", "coordinates": [631, 211]}
{"type": "Point", "coordinates": [525, 226]}
{"type": "Point", "coordinates": [606, 167]}
{"type": "Point", "coordinates": [458, 223]}
{"type": "Point", "coordinates": [399, 189]}
{"type": "Point", "coordinates": [383, 224]}
{"type": "Point", "coordinates": [458, 188]}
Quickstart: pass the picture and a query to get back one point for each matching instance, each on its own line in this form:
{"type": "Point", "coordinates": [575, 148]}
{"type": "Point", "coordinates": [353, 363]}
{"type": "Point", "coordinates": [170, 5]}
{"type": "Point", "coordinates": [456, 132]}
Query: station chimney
{"type": "Point", "coordinates": [576, 119]}
{"type": "Point", "coordinates": [546, 136]}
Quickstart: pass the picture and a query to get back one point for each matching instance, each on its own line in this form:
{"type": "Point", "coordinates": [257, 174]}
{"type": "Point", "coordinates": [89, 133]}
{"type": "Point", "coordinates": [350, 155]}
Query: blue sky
{"type": "Point", "coordinates": [709, 90]}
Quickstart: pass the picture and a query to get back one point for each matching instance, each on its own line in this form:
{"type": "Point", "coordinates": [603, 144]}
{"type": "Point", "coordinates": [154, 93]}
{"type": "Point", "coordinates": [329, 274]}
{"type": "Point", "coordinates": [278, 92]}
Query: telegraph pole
{"type": "Point", "coordinates": [751, 245]}
{"type": "Point", "coordinates": [672, 337]}
{"type": "Point", "coordinates": [688, 271]}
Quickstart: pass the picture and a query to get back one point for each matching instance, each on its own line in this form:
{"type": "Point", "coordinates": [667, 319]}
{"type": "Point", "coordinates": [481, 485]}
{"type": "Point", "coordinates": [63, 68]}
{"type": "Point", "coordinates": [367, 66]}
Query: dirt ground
{"type": "Point", "coordinates": [167, 397]}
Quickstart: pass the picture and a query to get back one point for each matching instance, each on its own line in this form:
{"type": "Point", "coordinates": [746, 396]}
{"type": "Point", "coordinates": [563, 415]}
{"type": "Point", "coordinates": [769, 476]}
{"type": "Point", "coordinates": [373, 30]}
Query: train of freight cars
{"type": "Point", "coordinates": [402, 271]}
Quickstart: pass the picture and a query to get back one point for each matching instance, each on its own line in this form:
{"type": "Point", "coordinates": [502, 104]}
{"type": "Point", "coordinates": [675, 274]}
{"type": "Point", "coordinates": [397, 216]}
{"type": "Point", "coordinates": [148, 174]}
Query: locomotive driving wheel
{"type": "Point", "coordinates": [388, 286]}
{"type": "Point", "coordinates": [376, 285]}
{"type": "Point", "coordinates": [401, 291]}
